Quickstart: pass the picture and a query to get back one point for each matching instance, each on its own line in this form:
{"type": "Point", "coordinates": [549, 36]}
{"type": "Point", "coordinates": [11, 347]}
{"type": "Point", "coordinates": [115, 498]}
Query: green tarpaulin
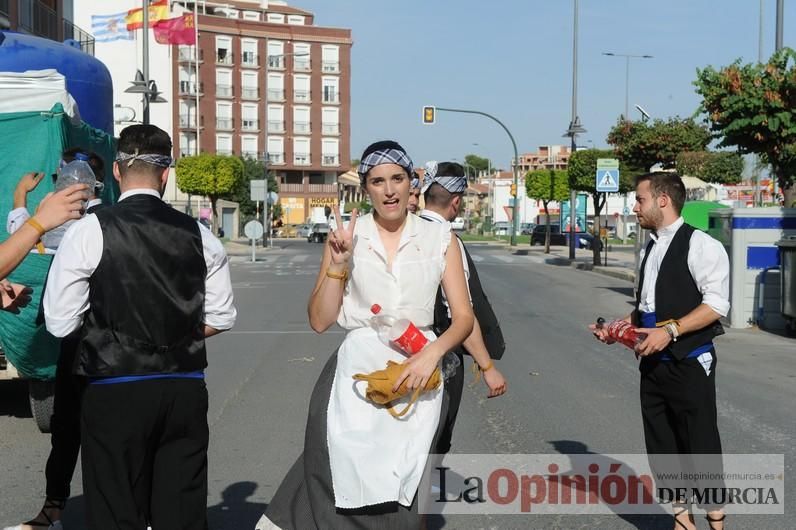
{"type": "Point", "coordinates": [33, 141]}
{"type": "Point", "coordinates": [695, 213]}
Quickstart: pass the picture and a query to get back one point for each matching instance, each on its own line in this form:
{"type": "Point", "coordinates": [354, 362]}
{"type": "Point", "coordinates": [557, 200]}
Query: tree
{"type": "Point", "coordinates": [643, 145]}
{"type": "Point", "coordinates": [582, 172]}
{"type": "Point", "coordinates": [547, 185]}
{"type": "Point", "coordinates": [214, 176]}
{"type": "Point", "coordinates": [252, 170]}
{"type": "Point", "coordinates": [479, 163]}
{"type": "Point", "coordinates": [751, 106]}
{"type": "Point", "coordinates": [719, 167]}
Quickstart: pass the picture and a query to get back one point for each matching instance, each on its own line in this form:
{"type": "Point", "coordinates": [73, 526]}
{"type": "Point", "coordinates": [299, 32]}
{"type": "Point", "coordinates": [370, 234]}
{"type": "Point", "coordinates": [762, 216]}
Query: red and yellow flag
{"type": "Point", "coordinates": [180, 30]}
{"type": "Point", "coordinates": [158, 11]}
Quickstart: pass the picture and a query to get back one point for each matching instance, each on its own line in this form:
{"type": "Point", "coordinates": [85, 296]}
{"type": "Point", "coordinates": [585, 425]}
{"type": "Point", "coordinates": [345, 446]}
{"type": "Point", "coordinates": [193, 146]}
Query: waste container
{"type": "Point", "coordinates": [787, 249]}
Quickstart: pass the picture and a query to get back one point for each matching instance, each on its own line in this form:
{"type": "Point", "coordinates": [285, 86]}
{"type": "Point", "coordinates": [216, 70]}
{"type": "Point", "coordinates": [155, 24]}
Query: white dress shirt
{"type": "Point", "coordinates": [707, 262]}
{"type": "Point", "coordinates": [66, 297]}
{"type": "Point", "coordinates": [434, 217]}
{"type": "Point", "coordinates": [18, 216]}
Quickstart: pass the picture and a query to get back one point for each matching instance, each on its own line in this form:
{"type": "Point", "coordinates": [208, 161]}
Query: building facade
{"type": "Point", "coordinates": [265, 82]}
{"type": "Point", "coordinates": [547, 157]}
{"type": "Point", "coordinates": [51, 19]}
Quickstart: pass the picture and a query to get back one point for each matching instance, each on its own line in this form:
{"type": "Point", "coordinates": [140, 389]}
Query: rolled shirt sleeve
{"type": "Point", "coordinates": [16, 218]}
{"type": "Point", "coordinates": [710, 268]}
{"type": "Point", "coordinates": [219, 311]}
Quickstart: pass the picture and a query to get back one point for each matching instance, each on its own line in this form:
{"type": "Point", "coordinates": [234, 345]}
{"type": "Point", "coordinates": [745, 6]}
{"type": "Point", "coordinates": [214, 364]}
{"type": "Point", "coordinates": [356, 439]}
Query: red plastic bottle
{"type": "Point", "coordinates": [399, 331]}
{"type": "Point", "coordinates": [622, 332]}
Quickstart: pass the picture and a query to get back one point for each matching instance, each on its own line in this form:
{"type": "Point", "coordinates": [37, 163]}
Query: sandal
{"type": "Point", "coordinates": [711, 520]}
{"type": "Point", "coordinates": [43, 519]}
{"type": "Point", "coordinates": [684, 509]}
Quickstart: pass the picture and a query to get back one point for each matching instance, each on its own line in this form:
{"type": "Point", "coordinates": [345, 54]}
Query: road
{"type": "Point", "coordinates": [567, 393]}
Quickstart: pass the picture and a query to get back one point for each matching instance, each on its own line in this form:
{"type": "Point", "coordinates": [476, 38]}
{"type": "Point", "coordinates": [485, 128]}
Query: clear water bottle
{"type": "Point", "coordinates": [76, 172]}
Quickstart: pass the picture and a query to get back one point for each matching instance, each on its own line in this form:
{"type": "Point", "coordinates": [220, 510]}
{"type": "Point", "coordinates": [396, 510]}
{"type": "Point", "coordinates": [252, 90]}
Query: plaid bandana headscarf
{"type": "Point", "coordinates": [385, 152]}
{"type": "Point", "coordinates": [149, 158]}
{"type": "Point", "coordinates": [452, 183]}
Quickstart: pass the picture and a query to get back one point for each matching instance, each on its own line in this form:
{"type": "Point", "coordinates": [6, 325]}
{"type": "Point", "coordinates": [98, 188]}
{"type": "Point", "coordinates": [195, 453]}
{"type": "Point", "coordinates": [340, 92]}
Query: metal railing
{"type": "Point", "coordinates": [189, 88]}
{"type": "Point", "coordinates": [276, 126]}
{"type": "Point", "coordinates": [276, 159]}
{"type": "Point", "coordinates": [188, 121]}
{"type": "Point", "coordinates": [330, 67]}
{"type": "Point", "coordinates": [224, 91]}
{"type": "Point", "coordinates": [226, 152]}
{"type": "Point", "coordinates": [331, 160]}
{"type": "Point", "coordinates": [249, 59]}
{"type": "Point", "coordinates": [225, 123]}
{"type": "Point", "coordinates": [291, 188]}
{"type": "Point", "coordinates": [223, 58]}
{"type": "Point", "coordinates": [187, 54]}
{"type": "Point", "coordinates": [276, 94]}
{"type": "Point", "coordinates": [249, 124]}
{"type": "Point", "coordinates": [249, 93]}
{"type": "Point", "coordinates": [187, 151]}
{"type": "Point", "coordinates": [249, 154]}
{"type": "Point", "coordinates": [331, 96]}
{"type": "Point", "coordinates": [76, 33]}
{"type": "Point", "coordinates": [276, 62]}
{"type": "Point", "coordinates": [301, 96]}
{"type": "Point", "coordinates": [321, 188]}
{"type": "Point", "coordinates": [301, 127]}
{"type": "Point", "coordinates": [302, 64]}
{"type": "Point", "coordinates": [331, 128]}
{"type": "Point", "coordinates": [302, 159]}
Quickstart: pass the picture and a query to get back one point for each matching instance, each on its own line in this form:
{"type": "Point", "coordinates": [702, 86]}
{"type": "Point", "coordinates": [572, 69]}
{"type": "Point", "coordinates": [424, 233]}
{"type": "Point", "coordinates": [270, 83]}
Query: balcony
{"type": "Point", "coordinates": [249, 60]}
{"type": "Point", "coordinates": [249, 124]}
{"type": "Point", "coordinates": [291, 188]}
{"type": "Point", "coordinates": [186, 54]}
{"type": "Point", "coordinates": [85, 39]}
{"type": "Point", "coordinates": [188, 121]}
{"type": "Point", "coordinates": [302, 64]}
{"type": "Point", "coordinates": [188, 151]}
{"type": "Point", "coordinates": [302, 127]}
{"type": "Point", "coordinates": [330, 160]}
{"type": "Point", "coordinates": [330, 67]}
{"type": "Point", "coordinates": [250, 93]}
{"type": "Point", "coordinates": [188, 88]}
{"type": "Point", "coordinates": [331, 96]}
{"type": "Point", "coordinates": [39, 19]}
{"type": "Point", "coordinates": [276, 159]}
{"type": "Point", "coordinates": [223, 56]}
{"type": "Point", "coordinates": [225, 124]}
{"type": "Point", "coordinates": [224, 91]}
{"type": "Point", "coordinates": [249, 154]}
{"type": "Point", "coordinates": [302, 159]}
{"type": "Point", "coordinates": [321, 188]}
{"type": "Point", "coordinates": [276, 62]}
{"type": "Point", "coordinates": [225, 152]}
{"type": "Point", "coordinates": [276, 126]}
{"type": "Point", "coordinates": [276, 94]}
{"type": "Point", "coordinates": [301, 96]}
{"type": "Point", "coordinates": [4, 7]}
{"type": "Point", "coordinates": [331, 129]}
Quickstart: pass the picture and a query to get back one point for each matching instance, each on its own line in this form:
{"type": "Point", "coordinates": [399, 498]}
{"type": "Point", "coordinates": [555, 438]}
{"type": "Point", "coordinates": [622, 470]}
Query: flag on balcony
{"type": "Point", "coordinates": [158, 11]}
{"type": "Point", "coordinates": [180, 30]}
{"type": "Point", "coordinates": [107, 28]}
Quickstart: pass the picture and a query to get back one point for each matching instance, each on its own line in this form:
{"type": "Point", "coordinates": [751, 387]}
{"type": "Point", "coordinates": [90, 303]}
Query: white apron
{"type": "Point", "coordinates": [374, 457]}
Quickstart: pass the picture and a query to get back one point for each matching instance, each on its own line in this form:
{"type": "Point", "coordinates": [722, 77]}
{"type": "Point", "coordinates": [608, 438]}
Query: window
{"type": "Point", "coordinates": [251, 15]}
{"type": "Point", "coordinates": [187, 80]}
{"type": "Point", "coordinates": [187, 114]}
{"type": "Point", "coordinates": [249, 89]}
{"type": "Point", "coordinates": [296, 20]}
{"type": "Point", "coordinates": [249, 121]}
{"type": "Point", "coordinates": [276, 55]}
{"type": "Point", "coordinates": [276, 87]}
{"type": "Point", "coordinates": [276, 119]}
{"type": "Point", "coordinates": [276, 18]}
{"type": "Point", "coordinates": [248, 52]}
{"type": "Point", "coordinates": [301, 88]}
{"type": "Point", "coordinates": [301, 57]}
{"type": "Point", "coordinates": [330, 90]}
{"type": "Point", "coordinates": [248, 147]}
{"type": "Point", "coordinates": [223, 144]}
{"type": "Point", "coordinates": [224, 115]}
{"type": "Point", "coordinates": [188, 144]}
{"type": "Point", "coordinates": [276, 150]}
{"type": "Point", "coordinates": [330, 120]}
{"type": "Point", "coordinates": [301, 120]}
{"type": "Point", "coordinates": [224, 83]}
{"type": "Point", "coordinates": [330, 59]}
{"type": "Point", "coordinates": [223, 49]}
{"type": "Point", "coordinates": [228, 12]}
{"type": "Point", "coordinates": [301, 151]}
{"type": "Point", "coordinates": [331, 156]}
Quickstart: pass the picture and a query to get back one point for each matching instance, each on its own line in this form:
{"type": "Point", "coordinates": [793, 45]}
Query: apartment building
{"type": "Point", "coordinates": [51, 19]}
{"type": "Point", "coordinates": [547, 157]}
{"type": "Point", "coordinates": [265, 82]}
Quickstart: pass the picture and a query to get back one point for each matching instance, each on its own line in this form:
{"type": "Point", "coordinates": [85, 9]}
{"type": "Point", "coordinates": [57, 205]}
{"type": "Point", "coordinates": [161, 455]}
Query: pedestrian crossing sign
{"type": "Point", "coordinates": [607, 175]}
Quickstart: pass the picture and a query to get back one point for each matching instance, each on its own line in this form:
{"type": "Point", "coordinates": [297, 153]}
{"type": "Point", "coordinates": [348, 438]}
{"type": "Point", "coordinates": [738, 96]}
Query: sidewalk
{"type": "Point", "coordinates": [621, 260]}
{"type": "Point", "coordinates": [242, 248]}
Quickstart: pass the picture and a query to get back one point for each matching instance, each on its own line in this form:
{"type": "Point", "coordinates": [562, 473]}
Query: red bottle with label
{"type": "Point", "coordinates": [622, 332]}
{"type": "Point", "coordinates": [399, 331]}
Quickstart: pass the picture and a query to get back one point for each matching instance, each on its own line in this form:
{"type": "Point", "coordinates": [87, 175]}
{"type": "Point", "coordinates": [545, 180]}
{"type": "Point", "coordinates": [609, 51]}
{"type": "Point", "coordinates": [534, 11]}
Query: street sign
{"type": "Point", "coordinates": [253, 230]}
{"type": "Point", "coordinates": [607, 178]}
{"type": "Point", "coordinates": [257, 189]}
{"type": "Point", "coordinates": [428, 115]}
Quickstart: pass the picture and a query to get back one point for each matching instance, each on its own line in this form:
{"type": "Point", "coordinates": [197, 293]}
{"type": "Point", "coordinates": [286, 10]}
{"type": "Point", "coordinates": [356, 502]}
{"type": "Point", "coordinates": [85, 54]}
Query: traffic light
{"type": "Point", "coordinates": [428, 115]}
{"type": "Point", "coordinates": [513, 190]}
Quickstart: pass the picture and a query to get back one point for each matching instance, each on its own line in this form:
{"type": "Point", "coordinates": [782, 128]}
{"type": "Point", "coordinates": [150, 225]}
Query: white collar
{"type": "Point", "coordinates": [93, 202]}
{"type": "Point", "coordinates": [667, 232]}
{"type": "Point", "coordinates": [432, 216]}
{"type": "Point", "coordinates": [139, 191]}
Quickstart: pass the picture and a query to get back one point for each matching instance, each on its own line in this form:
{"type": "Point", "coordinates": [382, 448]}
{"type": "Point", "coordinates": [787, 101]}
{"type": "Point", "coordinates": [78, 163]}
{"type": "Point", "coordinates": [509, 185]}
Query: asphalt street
{"type": "Point", "coordinates": [566, 392]}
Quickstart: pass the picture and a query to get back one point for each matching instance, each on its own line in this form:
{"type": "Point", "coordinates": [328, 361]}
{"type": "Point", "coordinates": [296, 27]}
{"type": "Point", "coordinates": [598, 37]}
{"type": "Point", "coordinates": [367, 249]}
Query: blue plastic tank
{"type": "Point", "coordinates": [87, 78]}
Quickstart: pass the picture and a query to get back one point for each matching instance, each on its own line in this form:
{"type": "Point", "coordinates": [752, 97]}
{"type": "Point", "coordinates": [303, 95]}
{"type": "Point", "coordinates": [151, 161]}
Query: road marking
{"type": "Point", "coordinates": [477, 258]}
{"type": "Point", "coordinates": [299, 258]}
{"type": "Point", "coordinates": [505, 259]}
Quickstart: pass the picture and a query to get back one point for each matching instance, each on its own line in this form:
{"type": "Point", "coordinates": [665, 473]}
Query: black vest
{"type": "Point", "coordinates": [676, 293]}
{"type": "Point", "coordinates": [490, 328]}
{"type": "Point", "coordinates": [146, 298]}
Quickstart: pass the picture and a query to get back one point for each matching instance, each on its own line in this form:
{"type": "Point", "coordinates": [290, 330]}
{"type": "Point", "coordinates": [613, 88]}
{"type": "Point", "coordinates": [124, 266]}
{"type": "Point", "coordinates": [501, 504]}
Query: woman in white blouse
{"type": "Point", "coordinates": [361, 467]}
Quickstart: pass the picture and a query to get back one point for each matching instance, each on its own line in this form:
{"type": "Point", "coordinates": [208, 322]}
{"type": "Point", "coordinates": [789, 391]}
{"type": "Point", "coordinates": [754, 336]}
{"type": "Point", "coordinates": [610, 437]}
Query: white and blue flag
{"type": "Point", "coordinates": [107, 28]}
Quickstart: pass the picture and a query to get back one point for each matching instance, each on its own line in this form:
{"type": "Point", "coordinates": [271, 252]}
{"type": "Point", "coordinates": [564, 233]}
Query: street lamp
{"type": "Point", "coordinates": [575, 128]}
{"type": "Point", "coordinates": [148, 89]}
{"type": "Point", "coordinates": [627, 57]}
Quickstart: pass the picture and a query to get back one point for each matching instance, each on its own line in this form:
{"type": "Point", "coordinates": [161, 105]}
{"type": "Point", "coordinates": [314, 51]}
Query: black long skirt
{"type": "Point", "coordinates": [305, 499]}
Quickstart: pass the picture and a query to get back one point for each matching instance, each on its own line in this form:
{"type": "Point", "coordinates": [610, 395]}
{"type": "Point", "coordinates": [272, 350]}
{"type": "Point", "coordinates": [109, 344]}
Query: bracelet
{"type": "Point", "coordinates": [36, 225]}
{"type": "Point", "coordinates": [488, 367]}
{"type": "Point", "coordinates": [337, 275]}
{"type": "Point", "coordinates": [671, 330]}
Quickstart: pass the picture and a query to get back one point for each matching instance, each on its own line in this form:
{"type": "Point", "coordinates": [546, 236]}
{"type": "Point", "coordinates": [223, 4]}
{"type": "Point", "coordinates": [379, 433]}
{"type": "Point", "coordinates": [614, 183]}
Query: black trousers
{"type": "Point", "coordinates": [145, 455]}
{"type": "Point", "coordinates": [65, 423]}
{"type": "Point", "coordinates": [678, 408]}
{"type": "Point", "coordinates": [451, 399]}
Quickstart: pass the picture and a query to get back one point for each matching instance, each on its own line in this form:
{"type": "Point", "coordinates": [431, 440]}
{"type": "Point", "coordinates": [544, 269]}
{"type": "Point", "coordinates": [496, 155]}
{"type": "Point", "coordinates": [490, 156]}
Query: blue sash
{"type": "Point", "coordinates": [649, 320]}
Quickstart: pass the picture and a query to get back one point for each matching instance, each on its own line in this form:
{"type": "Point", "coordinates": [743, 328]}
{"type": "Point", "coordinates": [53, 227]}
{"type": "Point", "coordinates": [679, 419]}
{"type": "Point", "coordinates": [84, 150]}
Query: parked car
{"type": "Point", "coordinates": [457, 224]}
{"type": "Point", "coordinates": [304, 230]}
{"type": "Point", "coordinates": [584, 239]}
{"type": "Point", "coordinates": [526, 228]}
{"type": "Point", "coordinates": [319, 233]}
{"type": "Point", "coordinates": [501, 228]}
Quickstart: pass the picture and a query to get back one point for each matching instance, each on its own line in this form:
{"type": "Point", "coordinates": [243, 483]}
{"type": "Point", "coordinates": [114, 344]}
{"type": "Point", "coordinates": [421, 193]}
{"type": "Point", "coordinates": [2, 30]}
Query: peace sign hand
{"type": "Point", "coordinates": [341, 241]}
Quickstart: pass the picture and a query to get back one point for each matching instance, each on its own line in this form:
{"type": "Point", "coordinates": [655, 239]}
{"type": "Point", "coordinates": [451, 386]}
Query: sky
{"type": "Point", "coordinates": [513, 59]}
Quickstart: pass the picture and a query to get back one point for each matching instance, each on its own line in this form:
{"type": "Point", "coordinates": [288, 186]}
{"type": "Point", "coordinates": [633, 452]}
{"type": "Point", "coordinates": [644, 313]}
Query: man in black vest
{"type": "Point", "coordinates": [145, 285]}
{"type": "Point", "coordinates": [683, 291]}
{"type": "Point", "coordinates": [443, 192]}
